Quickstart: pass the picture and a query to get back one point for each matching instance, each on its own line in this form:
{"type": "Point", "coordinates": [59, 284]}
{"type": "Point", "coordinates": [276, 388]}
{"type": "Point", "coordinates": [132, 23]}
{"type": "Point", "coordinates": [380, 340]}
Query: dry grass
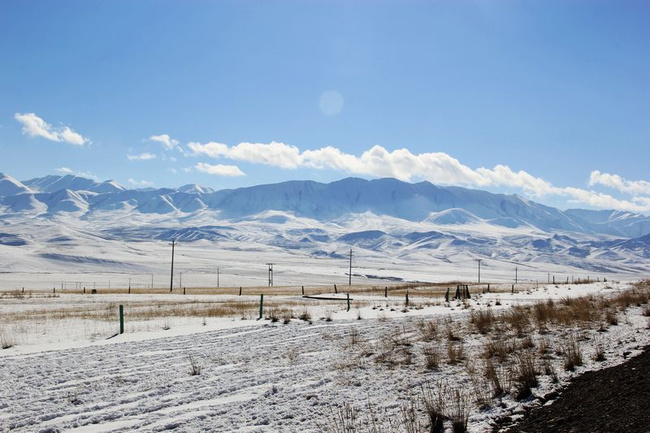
{"type": "Point", "coordinates": [526, 376]}
{"type": "Point", "coordinates": [482, 320]}
{"type": "Point", "coordinates": [431, 357]}
{"type": "Point", "coordinates": [455, 352]}
{"type": "Point", "coordinates": [572, 354]}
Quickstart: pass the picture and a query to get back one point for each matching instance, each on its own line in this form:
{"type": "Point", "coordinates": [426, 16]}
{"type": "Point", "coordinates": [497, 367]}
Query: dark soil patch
{"type": "Point", "coordinates": [615, 399]}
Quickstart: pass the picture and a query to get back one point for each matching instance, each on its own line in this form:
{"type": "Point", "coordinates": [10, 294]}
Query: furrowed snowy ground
{"type": "Point", "coordinates": [259, 375]}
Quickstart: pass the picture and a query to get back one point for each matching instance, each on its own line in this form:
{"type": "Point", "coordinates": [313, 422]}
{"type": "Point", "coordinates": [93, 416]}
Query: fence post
{"type": "Point", "coordinates": [447, 295]}
{"type": "Point", "coordinates": [407, 298]}
{"type": "Point", "coordinates": [386, 292]}
{"type": "Point", "coordinates": [303, 290]}
{"type": "Point", "coordinates": [261, 306]}
{"type": "Point", "coordinates": [335, 289]}
{"type": "Point", "coordinates": [240, 291]}
{"type": "Point", "coordinates": [121, 319]}
{"type": "Point", "coordinates": [348, 302]}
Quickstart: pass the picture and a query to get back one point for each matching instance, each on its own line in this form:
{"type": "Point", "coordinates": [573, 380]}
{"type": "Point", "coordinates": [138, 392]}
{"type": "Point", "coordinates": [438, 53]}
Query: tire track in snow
{"type": "Point", "coordinates": [246, 380]}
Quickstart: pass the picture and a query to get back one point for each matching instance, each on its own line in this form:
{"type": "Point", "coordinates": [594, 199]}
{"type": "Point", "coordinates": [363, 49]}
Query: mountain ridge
{"type": "Point", "coordinates": [414, 202]}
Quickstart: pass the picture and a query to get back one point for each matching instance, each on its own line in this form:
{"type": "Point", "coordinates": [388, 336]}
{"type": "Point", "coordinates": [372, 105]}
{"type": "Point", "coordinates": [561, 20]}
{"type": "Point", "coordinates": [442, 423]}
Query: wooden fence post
{"type": "Point", "coordinates": [121, 319]}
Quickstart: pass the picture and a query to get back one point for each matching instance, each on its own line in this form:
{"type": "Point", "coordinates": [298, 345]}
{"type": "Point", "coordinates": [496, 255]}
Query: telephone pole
{"type": "Point", "coordinates": [217, 277]}
{"type": "Point", "coordinates": [171, 282]}
{"type": "Point", "coordinates": [479, 270]}
{"type": "Point", "coordinates": [350, 270]}
{"type": "Point", "coordinates": [270, 265]}
{"type": "Point", "coordinates": [515, 275]}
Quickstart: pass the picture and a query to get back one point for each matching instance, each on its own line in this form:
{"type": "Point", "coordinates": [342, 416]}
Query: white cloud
{"type": "Point", "coordinates": [438, 168]}
{"type": "Point", "coordinates": [141, 183]}
{"type": "Point", "coordinates": [614, 181]}
{"type": "Point", "coordinates": [142, 157]}
{"type": "Point", "coordinates": [34, 126]}
{"type": "Point", "coordinates": [219, 169]}
{"type": "Point", "coordinates": [165, 140]}
{"type": "Point", "coordinates": [86, 174]}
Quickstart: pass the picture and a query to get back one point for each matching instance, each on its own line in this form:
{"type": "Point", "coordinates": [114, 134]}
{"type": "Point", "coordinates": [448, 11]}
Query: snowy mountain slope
{"type": "Point", "coordinates": [10, 186]}
{"type": "Point", "coordinates": [325, 202]}
{"type": "Point", "coordinates": [383, 219]}
{"type": "Point", "coordinates": [626, 224]}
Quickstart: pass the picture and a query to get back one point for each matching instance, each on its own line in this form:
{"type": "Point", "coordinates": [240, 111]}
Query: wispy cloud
{"type": "Point", "coordinates": [140, 183]}
{"type": "Point", "coordinates": [164, 139]}
{"type": "Point", "coordinates": [142, 157]}
{"type": "Point", "coordinates": [614, 181]}
{"type": "Point", "coordinates": [64, 170]}
{"type": "Point", "coordinates": [439, 168]}
{"type": "Point", "coordinates": [219, 169]}
{"type": "Point", "coordinates": [86, 174]}
{"type": "Point", "coordinates": [34, 126]}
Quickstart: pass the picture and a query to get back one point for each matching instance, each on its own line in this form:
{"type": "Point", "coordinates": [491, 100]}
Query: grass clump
{"type": "Point", "coordinates": [572, 354]}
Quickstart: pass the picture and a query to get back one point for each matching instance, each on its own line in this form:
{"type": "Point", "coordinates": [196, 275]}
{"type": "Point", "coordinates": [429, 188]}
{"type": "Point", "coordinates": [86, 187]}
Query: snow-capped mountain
{"type": "Point", "coordinates": [409, 221]}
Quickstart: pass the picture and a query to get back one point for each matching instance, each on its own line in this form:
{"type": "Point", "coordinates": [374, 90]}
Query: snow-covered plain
{"type": "Point", "coordinates": [75, 374]}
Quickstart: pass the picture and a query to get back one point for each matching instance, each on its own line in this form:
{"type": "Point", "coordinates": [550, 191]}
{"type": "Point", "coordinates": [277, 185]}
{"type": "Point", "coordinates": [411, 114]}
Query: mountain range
{"type": "Point", "coordinates": [317, 219]}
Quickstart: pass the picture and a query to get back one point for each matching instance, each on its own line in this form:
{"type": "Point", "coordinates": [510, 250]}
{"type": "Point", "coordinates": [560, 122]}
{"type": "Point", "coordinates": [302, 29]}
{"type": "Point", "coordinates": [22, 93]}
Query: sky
{"type": "Point", "coordinates": [546, 99]}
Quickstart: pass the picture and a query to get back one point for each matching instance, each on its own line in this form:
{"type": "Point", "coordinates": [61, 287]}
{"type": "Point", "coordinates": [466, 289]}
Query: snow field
{"type": "Point", "coordinates": [270, 376]}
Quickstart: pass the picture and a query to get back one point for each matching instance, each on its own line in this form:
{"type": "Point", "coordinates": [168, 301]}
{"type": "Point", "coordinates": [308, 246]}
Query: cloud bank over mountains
{"type": "Point", "coordinates": [376, 162]}
{"type": "Point", "coordinates": [436, 167]}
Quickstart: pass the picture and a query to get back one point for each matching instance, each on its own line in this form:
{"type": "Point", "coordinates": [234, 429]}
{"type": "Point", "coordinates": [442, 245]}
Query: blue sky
{"type": "Point", "coordinates": [546, 99]}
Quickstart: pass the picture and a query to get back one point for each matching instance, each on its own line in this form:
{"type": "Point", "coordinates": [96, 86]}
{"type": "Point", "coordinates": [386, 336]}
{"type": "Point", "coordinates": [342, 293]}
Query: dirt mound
{"type": "Point", "coordinates": [615, 399]}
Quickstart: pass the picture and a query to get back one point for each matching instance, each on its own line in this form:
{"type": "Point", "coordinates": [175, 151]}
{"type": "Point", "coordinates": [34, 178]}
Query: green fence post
{"type": "Point", "coordinates": [121, 319]}
{"type": "Point", "coordinates": [261, 306]}
{"type": "Point", "coordinates": [348, 302]}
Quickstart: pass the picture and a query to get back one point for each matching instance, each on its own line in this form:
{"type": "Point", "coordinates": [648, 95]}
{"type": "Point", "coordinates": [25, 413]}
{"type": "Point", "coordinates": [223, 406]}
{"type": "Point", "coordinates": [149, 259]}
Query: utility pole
{"type": "Point", "coordinates": [515, 275]}
{"type": "Point", "coordinates": [350, 271]}
{"type": "Point", "coordinates": [270, 265]}
{"type": "Point", "coordinates": [479, 270]}
{"type": "Point", "coordinates": [217, 277]}
{"type": "Point", "coordinates": [171, 282]}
